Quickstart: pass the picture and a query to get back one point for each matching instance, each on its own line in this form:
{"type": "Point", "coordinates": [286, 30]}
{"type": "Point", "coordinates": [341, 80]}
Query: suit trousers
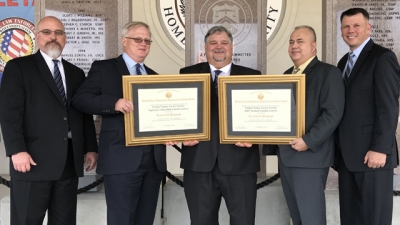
{"type": "Point", "coordinates": [366, 198]}
{"type": "Point", "coordinates": [31, 199]}
{"type": "Point", "coordinates": [203, 191]}
{"type": "Point", "coordinates": [132, 197]}
{"type": "Point", "coordinates": [304, 190]}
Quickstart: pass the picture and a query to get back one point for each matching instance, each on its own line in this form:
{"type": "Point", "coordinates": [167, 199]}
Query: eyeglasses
{"type": "Point", "coordinates": [140, 40]}
{"type": "Point", "coordinates": [56, 32]}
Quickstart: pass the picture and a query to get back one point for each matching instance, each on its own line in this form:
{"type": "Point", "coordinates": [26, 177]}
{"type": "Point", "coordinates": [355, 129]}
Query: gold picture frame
{"type": "Point", "coordinates": [266, 109]}
{"type": "Point", "coordinates": [167, 108]}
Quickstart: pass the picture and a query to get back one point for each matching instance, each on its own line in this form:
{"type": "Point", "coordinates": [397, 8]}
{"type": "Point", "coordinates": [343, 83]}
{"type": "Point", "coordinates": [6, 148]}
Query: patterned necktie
{"type": "Point", "coordinates": [350, 64]}
{"type": "Point", "coordinates": [59, 82]}
{"type": "Point", "coordinates": [138, 72]}
{"type": "Point", "coordinates": [216, 73]}
{"type": "Point", "coordinates": [295, 70]}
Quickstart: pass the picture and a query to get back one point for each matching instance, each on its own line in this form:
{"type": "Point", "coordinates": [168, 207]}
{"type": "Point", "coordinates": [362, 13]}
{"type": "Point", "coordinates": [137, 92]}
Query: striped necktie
{"type": "Point", "coordinates": [295, 70]}
{"type": "Point", "coordinates": [59, 82]}
{"type": "Point", "coordinates": [216, 73]}
{"type": "Point", "coordinates": [138, 72]}
{"type": "Point", "coordinates": [350, 65]}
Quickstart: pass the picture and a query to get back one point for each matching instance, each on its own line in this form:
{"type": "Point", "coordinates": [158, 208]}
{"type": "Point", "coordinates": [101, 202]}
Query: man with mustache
{"type": "Point", "coordinates": [48, 141]}
{"type": "Point", "coordinates": [212, 170]}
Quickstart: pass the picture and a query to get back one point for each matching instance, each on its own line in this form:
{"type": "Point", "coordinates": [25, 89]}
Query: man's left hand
{"type": "Point", "coordinates": [91, 160]}
{"type": "Point", "coordinates": [375, 160]}
{"type": "Point", "coordinates": [299, 145]}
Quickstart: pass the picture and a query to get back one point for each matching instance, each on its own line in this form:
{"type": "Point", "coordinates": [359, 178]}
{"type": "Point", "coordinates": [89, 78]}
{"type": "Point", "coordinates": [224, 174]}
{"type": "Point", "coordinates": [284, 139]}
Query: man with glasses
{"type": "Point", "coordinates": [47, 139]}
{"type": "Point", "coordinates": [132, 175]}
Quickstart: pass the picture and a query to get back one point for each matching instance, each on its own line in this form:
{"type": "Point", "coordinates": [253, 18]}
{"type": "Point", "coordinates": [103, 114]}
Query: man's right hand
{"type": "Point", "coordinates": [22, 162]}
{"type": "Point", "coordinates": [190, 143]}
{"type": "Point", "coordinates": [123, 106]}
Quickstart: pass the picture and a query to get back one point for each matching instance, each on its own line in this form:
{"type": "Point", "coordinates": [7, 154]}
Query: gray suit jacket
{"type": "Point", "coordinates": [324, 109]}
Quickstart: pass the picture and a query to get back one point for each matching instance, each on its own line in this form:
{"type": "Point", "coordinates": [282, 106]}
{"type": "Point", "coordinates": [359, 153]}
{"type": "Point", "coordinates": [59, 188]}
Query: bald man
{"type": "Point", "coordinates": [46, 139]}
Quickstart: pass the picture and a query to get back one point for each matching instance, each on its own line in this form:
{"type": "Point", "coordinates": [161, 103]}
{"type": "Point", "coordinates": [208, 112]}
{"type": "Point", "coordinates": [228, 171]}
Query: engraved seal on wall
{"type": "Point", "coordinates": [235, 15]}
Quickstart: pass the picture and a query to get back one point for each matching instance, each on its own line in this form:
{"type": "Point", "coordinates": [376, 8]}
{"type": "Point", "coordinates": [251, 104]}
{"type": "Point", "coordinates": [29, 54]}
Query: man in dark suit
{"type": "Point", "coordinates": [45, 137]}
{"type": "Point", "coordinates": [368, 149]}
{"type": "Point", "coordinates": [132, 175]}
{"type": "Point", "coordinates": [305, 162]}
{"type": "Point", "coordinates": [212, 170]}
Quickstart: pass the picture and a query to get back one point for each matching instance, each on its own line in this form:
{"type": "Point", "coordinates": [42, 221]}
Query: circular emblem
{"type": "Point", "coordinates": [172, 15]}
{"type": "Point", "coordinates": [233, 14]}
{"type": "Point", "coordinates": [168, 94]}
{"type": "Point", "coordinates": [17, 39]}
{"type": "Point", "coordinates": [236, 16]}
{"type": "Point", "coordinates": [260, 96]}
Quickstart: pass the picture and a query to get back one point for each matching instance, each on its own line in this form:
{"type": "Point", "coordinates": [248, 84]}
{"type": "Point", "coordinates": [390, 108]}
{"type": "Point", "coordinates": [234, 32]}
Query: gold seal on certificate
{"type": "Point", "coordinates": [266, 109]}
{"type": "Point", "coordinates": [167, 108]}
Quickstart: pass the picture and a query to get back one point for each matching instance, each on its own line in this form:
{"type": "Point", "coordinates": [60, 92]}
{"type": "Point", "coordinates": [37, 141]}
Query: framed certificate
{"type": "Point", "coordinates": [266, 109]}
{"type": "Point", "coordinates": [167, 108]}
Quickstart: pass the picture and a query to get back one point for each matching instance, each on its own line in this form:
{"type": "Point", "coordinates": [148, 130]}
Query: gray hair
{"type": "Point", "coordinates": [218, 29]}
{"type": "Point", "coordinates": [134, 24]}
{"type": "Point", "coordinates": [309, 28]}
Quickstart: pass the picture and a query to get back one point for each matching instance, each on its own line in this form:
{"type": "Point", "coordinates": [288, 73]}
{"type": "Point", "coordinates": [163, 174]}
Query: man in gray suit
{"type": "Point", "coordinates": [305, 162]}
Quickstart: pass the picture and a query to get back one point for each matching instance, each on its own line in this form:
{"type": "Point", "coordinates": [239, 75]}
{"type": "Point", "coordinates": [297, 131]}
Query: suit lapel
{"type": "Point", "coordinates": [121, 66]}
{"type": "Point", "coordinates": [69, 81]}
{"type": "Point", "coordinates": [360, 60]}
{"type": "Point", "coordinates": [47, 76]}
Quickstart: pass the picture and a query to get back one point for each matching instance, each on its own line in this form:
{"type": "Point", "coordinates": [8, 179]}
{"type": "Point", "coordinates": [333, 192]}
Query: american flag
{"type": "Point", "coordinates": [14, 43]}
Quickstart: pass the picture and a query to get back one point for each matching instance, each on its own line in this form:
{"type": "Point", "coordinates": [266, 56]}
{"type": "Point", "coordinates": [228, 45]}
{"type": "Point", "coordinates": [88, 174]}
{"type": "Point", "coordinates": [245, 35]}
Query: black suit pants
{"type": "Point", "coordinates": [203, 191]}
{"type": "Point", "coordinates": [366, 198]}
{"type": "Point", "coordinates": [31, 199]}
{"type": "Point", "coordinates": [132, 197]}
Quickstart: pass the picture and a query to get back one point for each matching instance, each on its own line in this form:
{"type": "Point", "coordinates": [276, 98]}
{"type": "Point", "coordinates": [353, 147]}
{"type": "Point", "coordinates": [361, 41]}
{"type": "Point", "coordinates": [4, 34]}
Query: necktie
{"type": "Point", "coordinates": [138, 72]}
{"type": "Point", "coordinates": [216, 73]}
{"type": "Point", "coordinates": [295, 70]}
{"type": "Point", "coordinates": [350, 64]}
{"type": "Point", "coordinates": [59, 82]}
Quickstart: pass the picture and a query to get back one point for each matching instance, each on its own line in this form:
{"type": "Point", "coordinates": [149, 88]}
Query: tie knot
{"type": "Point", "coordinates": [138, 67]}
{"type": "Point", "coordinates": [295, 70]}
{"type": "Point", "coordinates": [351, 55]}
{"type": "Point", "coordinates": [217, 72]}
{"type": "Point", "coordinates": [55, 61]}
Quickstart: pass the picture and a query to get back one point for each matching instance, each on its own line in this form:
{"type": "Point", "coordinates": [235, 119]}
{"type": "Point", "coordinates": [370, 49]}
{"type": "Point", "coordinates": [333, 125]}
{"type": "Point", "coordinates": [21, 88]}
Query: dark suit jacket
{"type": "Point", "coordinates": [34, 119]}
{"type": "Point", "coordinates": [98, 95]}
{"type": "Point", "coordinates": [372, 108]}
{"type": "Point", "coordinates": [232, 160]}
{"type": "Point", "coordinates": [324, 109]}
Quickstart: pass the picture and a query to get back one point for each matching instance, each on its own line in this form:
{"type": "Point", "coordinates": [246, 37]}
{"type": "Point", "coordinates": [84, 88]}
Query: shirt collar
{"type": "Point", "coordinates": [48, 59]}
{"type": "Point", "coordinates": [303, 66]}
{"type": "Point", "coordinates": [130, 62]}
{"type": "Point", "coordinates": [358, 50]}
{"type": "Point", "coordinates": [225, 70]}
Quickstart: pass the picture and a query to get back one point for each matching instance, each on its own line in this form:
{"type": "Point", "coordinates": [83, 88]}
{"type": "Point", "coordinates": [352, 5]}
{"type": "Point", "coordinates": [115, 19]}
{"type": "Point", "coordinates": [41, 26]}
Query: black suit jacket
{"type": "Point", "coordinates": [232, 160]}
{"type": "Point", "coordinates": [372, 109]}
{"type": "Point", "coordinates": [324, 109]}
{"type": "Point", "coordinates": [33, 118]}
{"type": "Point", "coordinates": [98, 95]}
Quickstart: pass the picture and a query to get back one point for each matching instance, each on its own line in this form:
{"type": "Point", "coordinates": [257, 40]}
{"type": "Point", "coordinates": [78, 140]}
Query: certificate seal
{"type": "Point", "coordinates": [17, 39]}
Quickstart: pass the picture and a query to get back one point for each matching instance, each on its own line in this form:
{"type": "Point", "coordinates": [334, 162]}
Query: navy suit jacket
{"type": "Point", "coordinates": [372, 108]}
{"type": "Point", "coordinates": [98, 95]}
{"type": "Point", "coordinates": [324, 109]}
{"type": "Point", "coordinates": [232, 160]}
{"type": "Point", "coordinates": [34, 119]}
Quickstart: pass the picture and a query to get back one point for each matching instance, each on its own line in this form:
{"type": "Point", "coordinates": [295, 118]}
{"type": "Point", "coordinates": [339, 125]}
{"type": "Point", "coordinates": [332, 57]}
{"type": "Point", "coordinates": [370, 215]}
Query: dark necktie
{"type": "Point", "coordinates": [59, 82]}
{"type": "Point", "coordinates": [216, 73]}
{"type": "Point", "coordinates": [138, 72]}
{"type": "Point", "coordinates": [295, 70]}
{"type": "Point", "coordinates": [350, 65]}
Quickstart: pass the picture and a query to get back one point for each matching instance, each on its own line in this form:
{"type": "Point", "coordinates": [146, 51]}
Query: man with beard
{"type": "Point", "coordinates": [47, 140]}
{"type": "Point", "coordinates": [212, 170]}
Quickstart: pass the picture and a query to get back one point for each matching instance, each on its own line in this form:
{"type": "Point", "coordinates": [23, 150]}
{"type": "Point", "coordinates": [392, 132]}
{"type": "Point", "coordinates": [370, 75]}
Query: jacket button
{"type": "Point", "coordinates": [65, 138]}
{"type": "Point", "coordinates": [65, 118]}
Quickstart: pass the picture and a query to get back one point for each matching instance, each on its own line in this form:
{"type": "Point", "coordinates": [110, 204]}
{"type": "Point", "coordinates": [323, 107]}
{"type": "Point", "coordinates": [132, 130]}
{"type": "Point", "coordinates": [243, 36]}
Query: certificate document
{"type": "Point", "coordinates": [261, 110]}
{"type": "Point", "coordinates": [162, 109]}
